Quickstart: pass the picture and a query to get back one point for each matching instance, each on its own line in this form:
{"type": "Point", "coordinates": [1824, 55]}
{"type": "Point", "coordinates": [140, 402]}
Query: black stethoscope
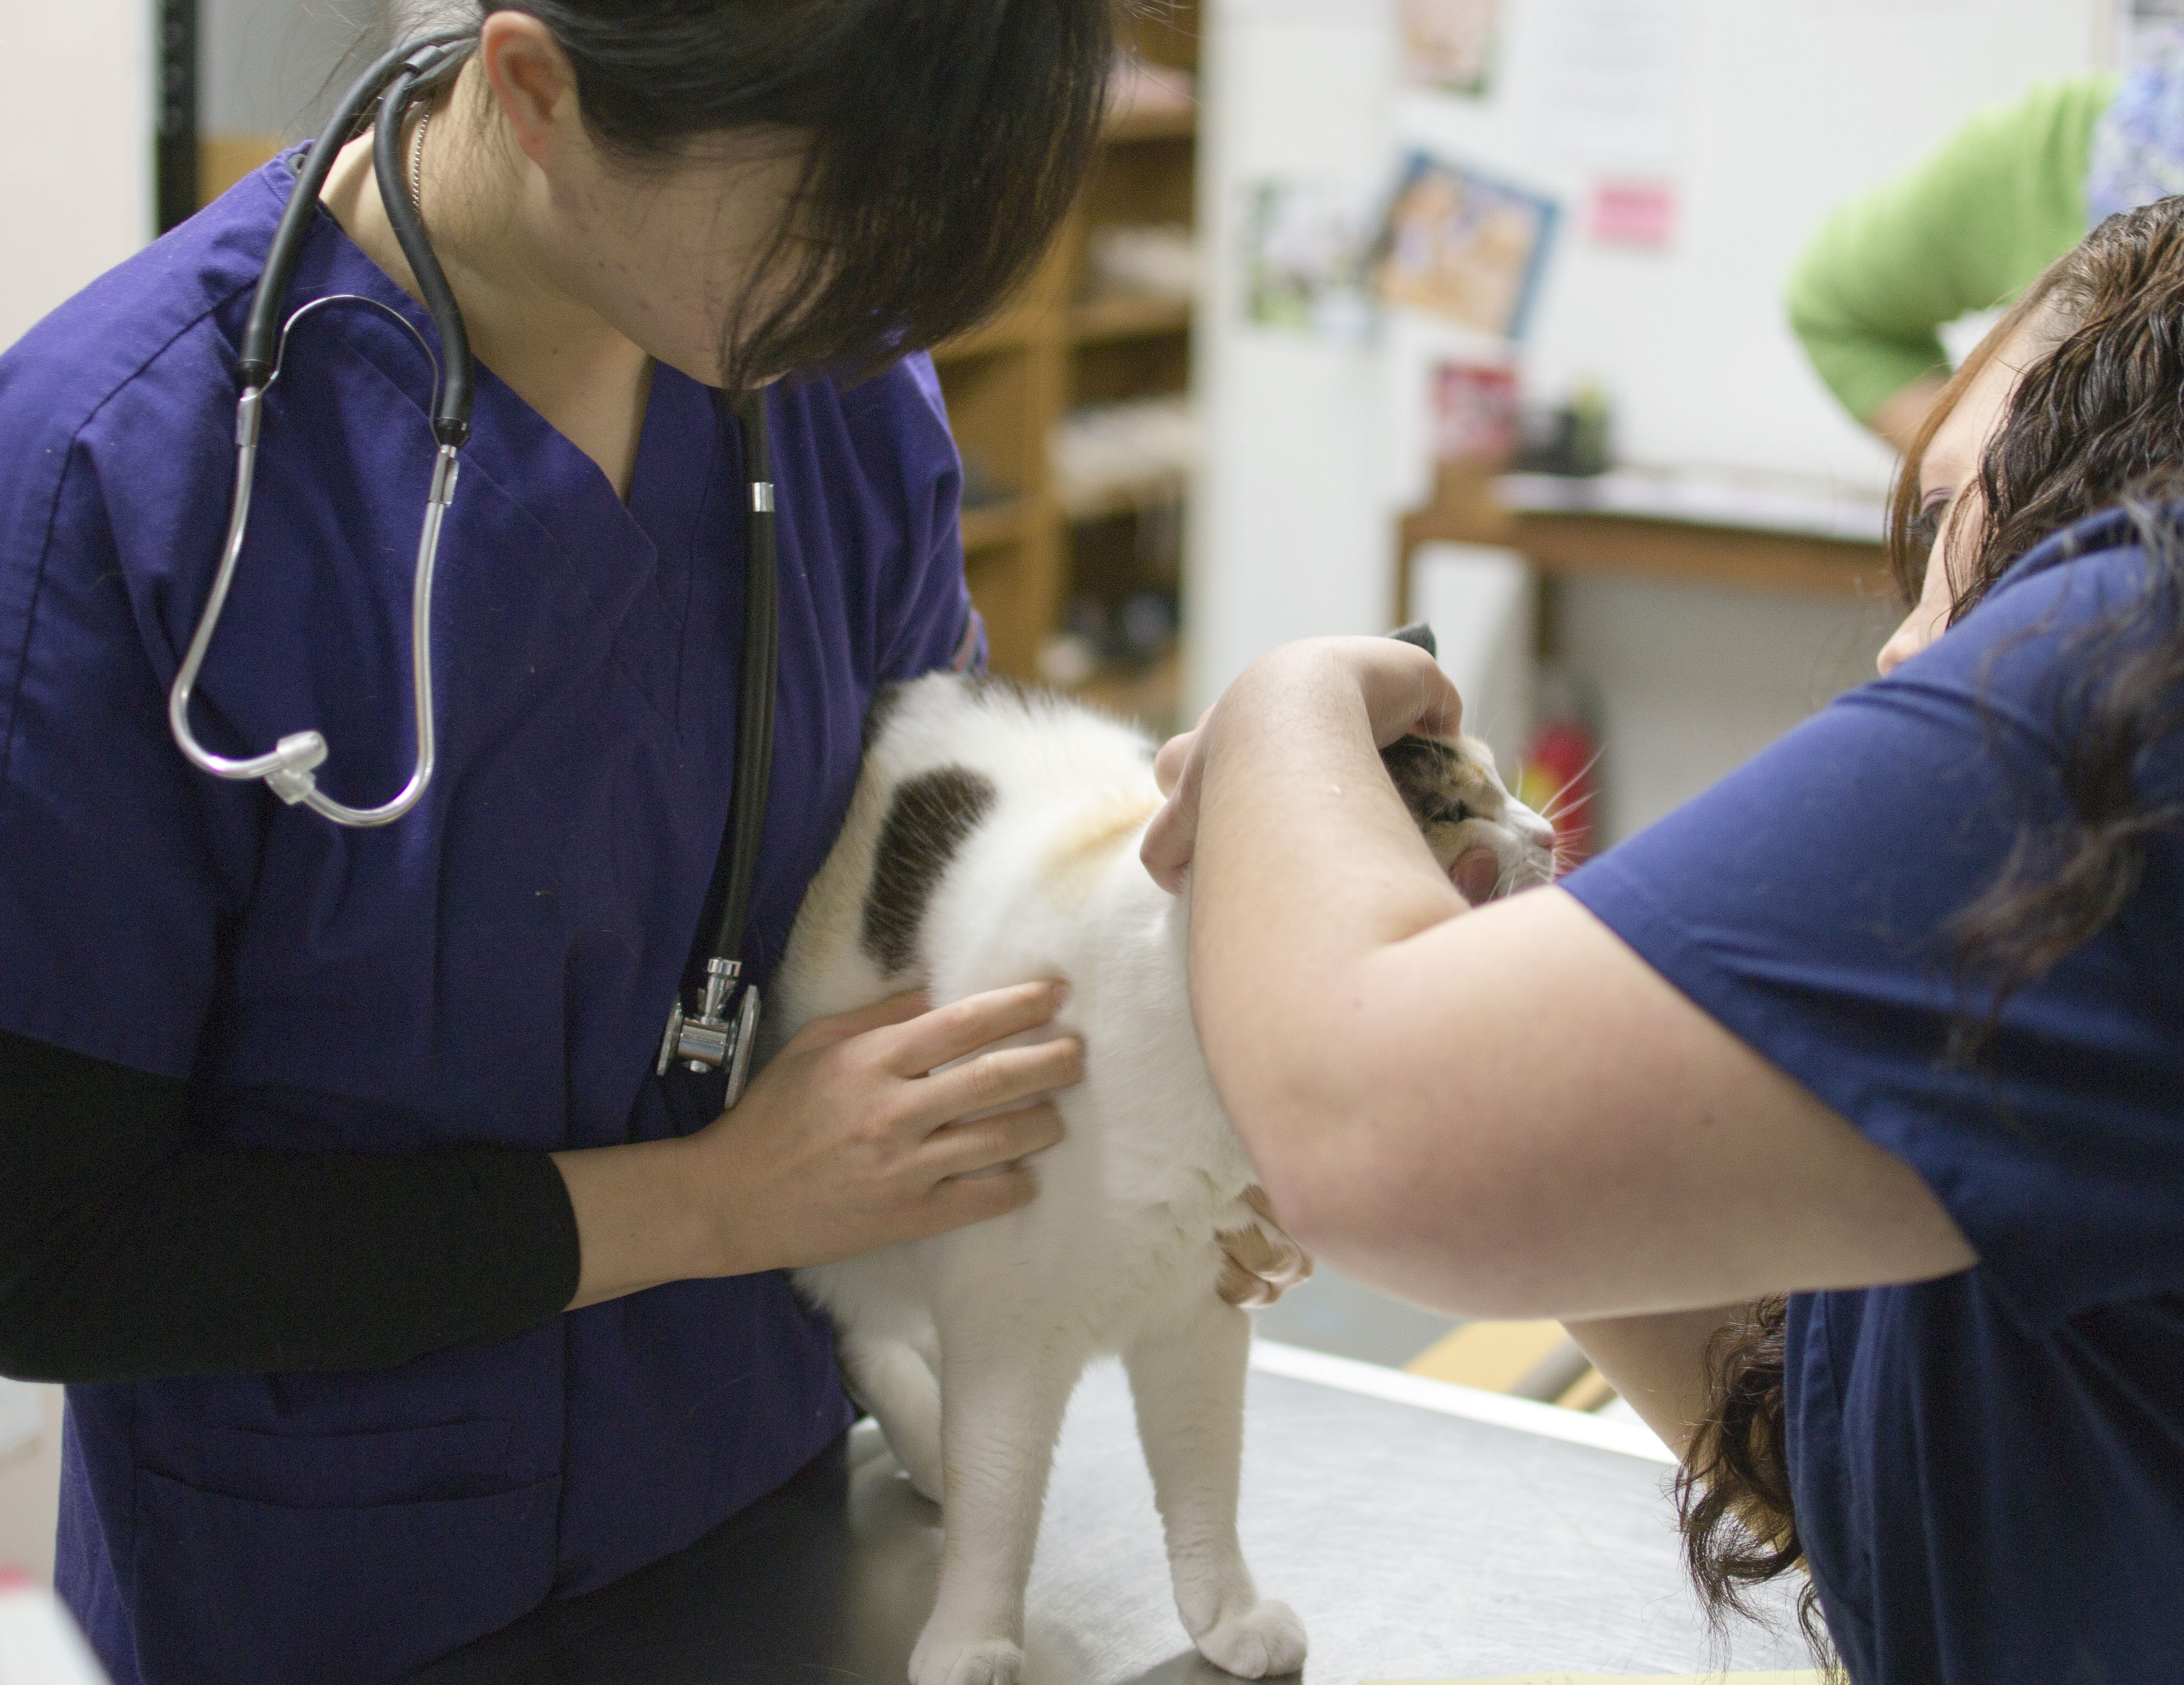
{"type": "Point", "coordinates": [711, 1038]}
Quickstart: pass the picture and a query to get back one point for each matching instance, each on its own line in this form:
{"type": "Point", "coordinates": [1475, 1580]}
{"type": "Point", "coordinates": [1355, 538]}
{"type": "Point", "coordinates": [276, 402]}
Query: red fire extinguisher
{"type": "Point", "coordinates": [1561, 767]}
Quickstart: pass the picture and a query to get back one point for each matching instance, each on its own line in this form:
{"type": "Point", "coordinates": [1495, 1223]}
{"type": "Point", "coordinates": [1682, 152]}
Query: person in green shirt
{"type": "Point", "coordinates": [1972, 225]}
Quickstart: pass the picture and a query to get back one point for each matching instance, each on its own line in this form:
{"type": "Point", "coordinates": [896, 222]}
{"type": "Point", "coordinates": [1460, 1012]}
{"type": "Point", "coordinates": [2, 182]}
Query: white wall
{"type": "Point", "coordinates": [1789, 106]}
{"type": "Point", "coordinates": [1690, 683]}
{"type": "Point", "coordinates": [76, 148]}
{"type": "Point", "coordinates": [30, 1475]}
{"type": "Point", "coordinates": [1786, 107]}
{"type": "Point", "coordinates": [76, 189]}
{"type": "Point", "coordinates": [1289, 514]}
{"type": "Point", "coordinates": [266, 62]}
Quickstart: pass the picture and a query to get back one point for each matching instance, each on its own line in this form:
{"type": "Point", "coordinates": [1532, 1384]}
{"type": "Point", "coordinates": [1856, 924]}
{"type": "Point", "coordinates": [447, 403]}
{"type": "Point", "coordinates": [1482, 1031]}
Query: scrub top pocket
{"type": "Point", "coordinates": [242, 1591]}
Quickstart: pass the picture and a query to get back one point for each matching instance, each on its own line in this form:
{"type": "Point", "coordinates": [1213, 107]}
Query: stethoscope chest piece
{"type": "Point", "coordinates": [709, 1039]}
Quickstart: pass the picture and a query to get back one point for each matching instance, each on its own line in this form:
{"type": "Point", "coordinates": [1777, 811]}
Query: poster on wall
{"type": "Point", "coordinates": [1465, 246]}
{"type": "Point", "coordinates": [1449, 44]}
{"type": "Point", "coordinates": [1308, 255]}
{"type": "Point", "coordinates": [1607, 81]}
{"type": "Point", "coordinates": [1474, 413]}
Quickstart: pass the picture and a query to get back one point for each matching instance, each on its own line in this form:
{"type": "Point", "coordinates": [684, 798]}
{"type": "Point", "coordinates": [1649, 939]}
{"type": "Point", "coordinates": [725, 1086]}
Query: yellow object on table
{"type": "Point", "coordinates": [1805, 1677]}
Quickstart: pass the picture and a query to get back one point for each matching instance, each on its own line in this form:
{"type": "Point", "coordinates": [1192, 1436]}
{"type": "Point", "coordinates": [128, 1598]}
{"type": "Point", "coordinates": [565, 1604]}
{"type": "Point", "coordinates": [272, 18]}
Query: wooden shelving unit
{"type": "Point", "coordinates": [1059, 346]}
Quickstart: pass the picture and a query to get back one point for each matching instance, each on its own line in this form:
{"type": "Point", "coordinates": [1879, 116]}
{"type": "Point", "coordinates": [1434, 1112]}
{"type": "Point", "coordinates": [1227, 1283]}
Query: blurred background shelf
{"type": "Point", "coordinates": [1129, 317]}
{"type": "Point", "coordinates": [1105, 324]}
{"type": "Point", "coordinates": [1160, 124]}
{"type": "Point", "coordinates": [1011, 332]}
{"type": "Point", "coordinates": [993, 524]}
{"type": "Point", "coordinates": [1145, 691]}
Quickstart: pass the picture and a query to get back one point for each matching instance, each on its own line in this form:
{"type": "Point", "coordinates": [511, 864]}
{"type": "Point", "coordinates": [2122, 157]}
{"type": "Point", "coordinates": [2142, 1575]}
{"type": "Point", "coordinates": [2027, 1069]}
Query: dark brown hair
{"type": "Point", "coordinates": [2095, 424]}
{"type": "Point", "coordinates": [944, 141]}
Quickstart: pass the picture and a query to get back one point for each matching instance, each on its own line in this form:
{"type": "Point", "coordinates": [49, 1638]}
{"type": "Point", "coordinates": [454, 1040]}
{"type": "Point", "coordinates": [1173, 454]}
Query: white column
{"type": "Point", "coordinates": [1290, 529]}
{"type": "Point", "coordinates": [76, 148]}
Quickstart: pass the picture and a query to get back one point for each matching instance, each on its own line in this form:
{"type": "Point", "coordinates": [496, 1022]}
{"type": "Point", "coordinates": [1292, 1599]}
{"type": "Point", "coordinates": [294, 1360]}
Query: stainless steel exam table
{"type": "Point", "coordinates": [1416, 1542]}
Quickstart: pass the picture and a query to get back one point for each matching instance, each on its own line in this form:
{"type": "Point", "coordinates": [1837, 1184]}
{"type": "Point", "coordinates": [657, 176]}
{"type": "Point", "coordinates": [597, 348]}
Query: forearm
{"type": "Point", "coordinates": [1658, 1365]}
{"type": "Point", "coordinates": [1307, 866]}
{"type": "Point", "coordinates": [1899, 419]}
{"type": "Point", "coordinates": [1506, 1113]}
{"type": "Point", "coordinates": [637, 1225]}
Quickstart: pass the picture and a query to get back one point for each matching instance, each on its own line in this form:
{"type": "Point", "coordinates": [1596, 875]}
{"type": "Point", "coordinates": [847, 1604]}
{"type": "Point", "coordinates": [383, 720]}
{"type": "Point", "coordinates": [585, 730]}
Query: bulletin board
{"type": "Point", "coordinates": [1692, 147]}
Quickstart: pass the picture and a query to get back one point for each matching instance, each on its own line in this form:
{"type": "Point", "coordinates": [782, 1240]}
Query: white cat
{"type": "Point", "coordinates": [993, 839]}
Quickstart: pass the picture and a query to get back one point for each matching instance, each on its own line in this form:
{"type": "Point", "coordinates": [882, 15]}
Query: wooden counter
{"type": "Point", "coordinates": [1464, 511]}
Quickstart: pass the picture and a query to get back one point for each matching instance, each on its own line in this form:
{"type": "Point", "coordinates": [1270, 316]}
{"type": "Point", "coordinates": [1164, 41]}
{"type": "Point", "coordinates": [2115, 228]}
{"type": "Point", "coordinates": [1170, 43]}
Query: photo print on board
{"type": "Point", "coordinates": [1466, 246]}
{"type": "Point", "coordinates": [1308, 259]}
{"type": "Point", "coordinates": [1449, 44]}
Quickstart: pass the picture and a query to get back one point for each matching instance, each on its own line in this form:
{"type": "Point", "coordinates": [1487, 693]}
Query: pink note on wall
{"type": "Point", "coordinates": [1632, 213]}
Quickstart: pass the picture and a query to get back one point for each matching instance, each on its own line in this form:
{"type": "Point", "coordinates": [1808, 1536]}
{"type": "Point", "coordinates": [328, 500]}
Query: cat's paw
{"type": "Point", "coordinates": [1265, 1640]}
{"type": "Point", "coordinates": [939, 1661]}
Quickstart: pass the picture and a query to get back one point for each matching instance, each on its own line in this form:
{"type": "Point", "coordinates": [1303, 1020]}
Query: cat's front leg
{"type": "Point", "coordinates": [1189, 1386]}
{"type": "Point", "coordinates": [1001, 1407]}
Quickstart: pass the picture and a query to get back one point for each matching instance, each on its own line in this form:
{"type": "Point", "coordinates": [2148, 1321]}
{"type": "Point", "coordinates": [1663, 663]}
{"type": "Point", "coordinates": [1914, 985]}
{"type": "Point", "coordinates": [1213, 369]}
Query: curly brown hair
{"type": "Point", "coordinates": [2094, 426]}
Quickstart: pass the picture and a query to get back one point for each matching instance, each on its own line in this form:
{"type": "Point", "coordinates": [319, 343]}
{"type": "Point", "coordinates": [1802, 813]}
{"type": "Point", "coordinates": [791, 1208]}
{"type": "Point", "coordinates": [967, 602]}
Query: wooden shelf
{"type": "Point", "coordinates": [1154, 126]}
{"type": "Point", "coordinates": [1150, 692]}
{"type": "Point", "coordinates": [992, 524]}
{"type": "Point", "coordinates": [1051, 350]}
{"type": "Point", "coordinates": [1745, 557]}
{"type": "Point", "coordinates": [1125, 496]}
{"type": "Point", "coordinates": [1128, 316]}
{"type": "Point", "coordinates": [1011, 332]}
{"type": "Point", "coordinates": [225, 156]}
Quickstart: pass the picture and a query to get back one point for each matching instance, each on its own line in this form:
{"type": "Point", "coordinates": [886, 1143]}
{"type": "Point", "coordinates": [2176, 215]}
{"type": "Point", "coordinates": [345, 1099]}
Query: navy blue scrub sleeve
{"type": "Point", "coordinates": [1985, 1468]}
{"type": "Point", "coordinates": [126, 1253]}
{"type": "Point", "coordinates": [1806, 902]}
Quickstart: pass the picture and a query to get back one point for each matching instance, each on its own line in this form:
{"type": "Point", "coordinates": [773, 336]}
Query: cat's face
{"type": "Point", "coordinates": [1466, 815]}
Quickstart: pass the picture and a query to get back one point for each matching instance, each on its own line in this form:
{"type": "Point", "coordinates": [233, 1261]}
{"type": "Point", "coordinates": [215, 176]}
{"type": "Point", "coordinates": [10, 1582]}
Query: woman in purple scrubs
{"type": "Point", "coordinates": [309, 1136]}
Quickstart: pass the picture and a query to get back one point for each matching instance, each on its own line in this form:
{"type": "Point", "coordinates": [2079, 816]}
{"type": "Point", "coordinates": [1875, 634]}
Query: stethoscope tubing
{"type": "Point", "coordinates": [709, 1039]}
{"type": "Point", "coordinates": [289, 769]}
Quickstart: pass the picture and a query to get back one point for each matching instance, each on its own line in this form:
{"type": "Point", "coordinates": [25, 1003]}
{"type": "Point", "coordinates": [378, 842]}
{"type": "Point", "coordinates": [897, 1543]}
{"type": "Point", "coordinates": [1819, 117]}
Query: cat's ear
{"type": "Point", "coordinates": [1419, 633]}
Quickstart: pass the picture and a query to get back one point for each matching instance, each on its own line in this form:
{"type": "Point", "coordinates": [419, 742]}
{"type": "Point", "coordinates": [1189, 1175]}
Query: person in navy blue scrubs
{"type": "Point", "coordinates": [309, 1136]}
{"type": "Point", "coordinates": [1842, 1112]}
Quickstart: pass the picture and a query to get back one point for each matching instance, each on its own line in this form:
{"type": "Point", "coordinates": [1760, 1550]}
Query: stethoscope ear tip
{"type": "Point", "coordinates": [293, 779]}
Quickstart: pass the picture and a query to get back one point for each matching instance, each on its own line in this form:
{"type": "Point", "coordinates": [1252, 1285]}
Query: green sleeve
{"type": "Point", "coordinates": [1966, 229]}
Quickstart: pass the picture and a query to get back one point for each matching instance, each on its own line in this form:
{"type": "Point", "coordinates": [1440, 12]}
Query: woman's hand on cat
{"type": "Point", "coordinates": [855, 1135]}
{"type": "Point", "coordinates": [1401, 687]}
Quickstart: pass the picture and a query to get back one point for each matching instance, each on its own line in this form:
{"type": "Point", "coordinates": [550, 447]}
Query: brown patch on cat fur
{"type": "Point", "coordinates": [927, 821]}
{"type": "Point", "coordinates": [1074, 860]}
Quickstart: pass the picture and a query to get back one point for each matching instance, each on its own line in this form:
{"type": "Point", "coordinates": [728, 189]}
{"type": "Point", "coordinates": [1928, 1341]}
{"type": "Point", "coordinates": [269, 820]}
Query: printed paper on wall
{"type": "Point", "coordinates": [1466, 246]}
{"type": "Point", "coordinates": [1449, 44]}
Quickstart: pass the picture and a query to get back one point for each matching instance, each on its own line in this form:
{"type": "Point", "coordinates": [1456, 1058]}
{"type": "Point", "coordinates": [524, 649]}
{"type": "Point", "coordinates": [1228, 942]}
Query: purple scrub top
{"type": "Point", "coordinates": [493, 968]}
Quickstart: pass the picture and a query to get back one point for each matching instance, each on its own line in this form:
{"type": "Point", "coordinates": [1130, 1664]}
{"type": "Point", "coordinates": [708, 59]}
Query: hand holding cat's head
{"type": "Point", "coordinates": [1295, 694]}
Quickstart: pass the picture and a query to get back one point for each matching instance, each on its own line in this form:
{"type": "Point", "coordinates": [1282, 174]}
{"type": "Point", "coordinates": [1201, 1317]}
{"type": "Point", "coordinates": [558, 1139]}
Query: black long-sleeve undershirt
{"type": "Point", "coordinates": [127, 1253]}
